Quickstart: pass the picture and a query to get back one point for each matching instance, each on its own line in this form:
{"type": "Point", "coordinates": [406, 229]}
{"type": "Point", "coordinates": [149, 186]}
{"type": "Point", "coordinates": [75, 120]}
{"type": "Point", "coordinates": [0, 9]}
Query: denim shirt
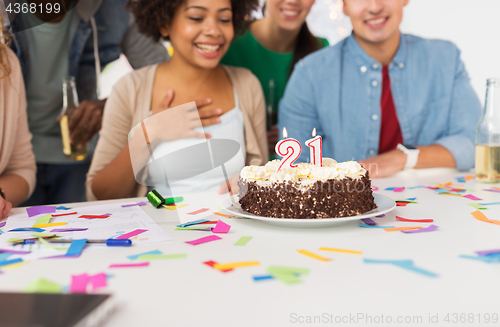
{"type": "Point", "coordinates": [117, 33]}
{"type": "Point", "coordinates": [337, 90]}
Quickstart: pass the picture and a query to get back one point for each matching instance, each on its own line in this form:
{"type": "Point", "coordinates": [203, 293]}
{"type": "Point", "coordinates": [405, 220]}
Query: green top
{"type": "Point", "coordinates": [270, 67]}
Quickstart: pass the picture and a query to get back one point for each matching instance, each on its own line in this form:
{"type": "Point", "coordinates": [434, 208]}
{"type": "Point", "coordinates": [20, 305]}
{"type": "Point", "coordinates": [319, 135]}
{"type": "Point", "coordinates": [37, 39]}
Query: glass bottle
{"type": "Point", "coordinates": [488, 136]}
{"type": "Point", "coordinates": [70, 104]}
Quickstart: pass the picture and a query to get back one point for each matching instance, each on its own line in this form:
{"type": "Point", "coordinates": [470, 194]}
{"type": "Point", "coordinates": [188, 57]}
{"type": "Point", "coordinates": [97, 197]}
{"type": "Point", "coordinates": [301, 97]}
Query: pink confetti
{"type": "Point", "coordinates": [221, 227]}
{"type": "Point", "coordinates": [129, 265]}
{"type": "Point", "coordinates": [399, 189]}
{"type": "Point", "coordinates": [129, 235]}
{"type": "Point", "coordinates": [374, 188]}
{"type": "Point", "coordinates": [205, 240]}
{"type": "Point", "coordinates": [98, 281]}
{"type": "Point", "coordinates": [198, 211]}
{"type": "Point", "coordinates": [472, 197]}
{"type": "Point", "coordinates": [79, 283]}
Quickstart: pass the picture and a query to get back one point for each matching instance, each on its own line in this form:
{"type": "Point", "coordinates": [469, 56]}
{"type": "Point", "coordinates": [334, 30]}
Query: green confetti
{"type": "Point", "coordinates": [43, 219]}
{"type": "Point", "coordinates": [477, 206]}
{"type": "Point", "coordinates": [43, 286]}
{"type": "Point", "coordinates": [243, 240]}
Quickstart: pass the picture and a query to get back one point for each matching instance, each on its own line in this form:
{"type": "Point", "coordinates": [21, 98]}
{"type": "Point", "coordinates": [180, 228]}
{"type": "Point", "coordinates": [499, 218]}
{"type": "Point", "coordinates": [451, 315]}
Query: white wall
{"type": "Point", "coordinates": [473, 25]}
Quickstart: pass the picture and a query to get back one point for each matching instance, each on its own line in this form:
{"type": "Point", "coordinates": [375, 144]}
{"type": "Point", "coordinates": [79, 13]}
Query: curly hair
{"type": "Point", "coordinates": [151, 15]}
{"type": "Point", "coordinates": [4, 66]}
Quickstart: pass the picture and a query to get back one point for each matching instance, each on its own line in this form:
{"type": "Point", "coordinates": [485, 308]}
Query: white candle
{"type": "Point", "coordinates": [316, 146]}
{"type": "Point", "coordinates": [290, 150]}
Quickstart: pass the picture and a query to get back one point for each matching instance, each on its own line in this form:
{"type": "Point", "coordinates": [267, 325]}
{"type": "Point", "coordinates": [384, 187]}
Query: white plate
{"type": "Point", "coordinates": [384, 205]}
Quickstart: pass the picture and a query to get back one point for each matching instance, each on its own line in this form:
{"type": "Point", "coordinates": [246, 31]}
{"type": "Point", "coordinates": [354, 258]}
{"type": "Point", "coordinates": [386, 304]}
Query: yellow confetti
{"type": "Point", "coordinates": [313, 255]}
{"type": "Point", "coordinates": [49, 225]}
{"type": "Point", "coordinates": [177, 206]}
{"type": "Point", "coordinates": [340, 250]}
{"type": "Point", "coordinates": [236, 265]}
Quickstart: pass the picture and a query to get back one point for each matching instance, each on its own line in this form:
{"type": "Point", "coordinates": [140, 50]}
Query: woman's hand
{"type": "Point", "coordinates": [231, 186]}
{"type": "Point", "coordinates": [180, 122]}
{"type": "Point", "coordinates": [5, 207]}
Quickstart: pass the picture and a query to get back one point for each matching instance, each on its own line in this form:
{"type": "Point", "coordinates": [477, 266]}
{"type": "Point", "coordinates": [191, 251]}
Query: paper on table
{"type": "Point", "coordinates": [68, 230]}
{"type": "Point", "coordinates": [223, 215]}
{"type": "Point", "coordinates": [204, 240]}
{"type": "Point", "coordinates": [193, 223]}
{"type": "Point", "coordinates": [488, 252]}
{"type": "Point", "coordinates": [484, 258]}
{"type": "Point", "coordinates": [38, 210]}
{"type": "Point", "coordinates": [264, 277]}
{"type": "Point", "coordinates": [129, 265]}
{"type": "Point", "coordinates": [10, 262]}
{"type": "Point", "coordinates": [43, 219]}
{"type": "Point", "coordinates": [43, 286]}
{"type": "Point", "coordinates": [63, 208]}
{"type": "Point", "coordinates": [313, 255]}
{"type": "Point", "coordinates": [483, 204]}
{"type": "Point", "coordinates": [134, 257]}
{"type": "Point", "coordinates": [134, 204]}
{"type": "Point", "coordinates": [340, 250]}
{"type": "Point", "coordinates": [243, 240]}
{"type": "Point", "coordinates": [2, 224]}
{"type": "Point", "coordinates": [121, 221]}
{"type": "Point", "coordinates": [94, 216]}
{"type": "Point", "coordinates": [131, 234]}
{"type": "Point", "coordinates": [221, 227]}
{"type": "Point", "coordinates": [28, 229]}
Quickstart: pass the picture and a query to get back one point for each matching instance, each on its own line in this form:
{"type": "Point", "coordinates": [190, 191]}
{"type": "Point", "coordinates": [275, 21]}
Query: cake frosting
{"type": "Point", "coordinates": [306, 191]}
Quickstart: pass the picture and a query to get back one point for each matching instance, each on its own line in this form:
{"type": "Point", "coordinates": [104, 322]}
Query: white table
{"type": "Point", "coordinates": [185, 292]}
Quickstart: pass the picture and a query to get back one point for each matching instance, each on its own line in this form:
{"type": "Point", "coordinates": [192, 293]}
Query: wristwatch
{"type": "Point", "coordinates": [411, 153]}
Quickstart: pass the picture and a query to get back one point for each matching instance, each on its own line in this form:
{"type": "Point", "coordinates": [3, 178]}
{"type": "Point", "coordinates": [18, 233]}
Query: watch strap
{"type": "Point", "coordinates": [411, 156]}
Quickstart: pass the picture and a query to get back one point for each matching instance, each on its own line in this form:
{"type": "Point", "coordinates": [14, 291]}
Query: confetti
{"type": "Point", "coordinates": [431, 228]}
{"type": "Point", "coordinates": [396, 229]}
{"type": "Point", "coordinates": [198, 211]}
{"type": "Point", "coordinates": [340, 250]}
{"type": "Point", "coordinates": [415, 220]}
{"type": "Point", "coordinates": [480, 216]}
{"type": "Point", "coordinates": [243, 240]}
{"type": "Point", "coordinates": [313, 255]}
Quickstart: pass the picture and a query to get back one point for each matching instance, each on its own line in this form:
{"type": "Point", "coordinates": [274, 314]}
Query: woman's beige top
{"type": "Point", "coordinates": [16, 154]}
{"type": "Point", "coordinates": [129, 104]}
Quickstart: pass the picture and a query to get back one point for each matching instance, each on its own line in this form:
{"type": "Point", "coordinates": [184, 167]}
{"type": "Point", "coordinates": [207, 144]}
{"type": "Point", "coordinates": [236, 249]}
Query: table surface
{"type": "Point", "coordinates": [344, 292]}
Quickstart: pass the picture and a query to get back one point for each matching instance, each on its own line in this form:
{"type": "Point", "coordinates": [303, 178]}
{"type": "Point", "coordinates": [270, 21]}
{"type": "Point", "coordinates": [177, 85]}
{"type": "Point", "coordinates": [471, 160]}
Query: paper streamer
{"type": "Point", "coordinates": [480, 216]}
{"type": "Point", "coordinates": [204, 240]}
{"type": "Point", "coordinates": [472, 197]}
{"type": "Point", "coordinates": [50, 225]}
{"type": "Point", "coordinates": [27, 229]}
{"type": "Point", "coordinates": [193, 223]}
{"type": "Point", "coordinates": [129, 265]}
{"type": "Point", "coordinates": [43, 219]}
{"type": "Point", "coordinates": [415, 220]}
{"type": "Point", "coordinates": [10, 262]}
{"type": "Point", "coordinates": [233, 265]}
{"type": "Point", "coordinates": [431, 228]}
{"type": "Point", "coordinates": [397, 229]}
{"type": "Point", "coordinates": [340, 250]}
{"type": "Point", "coordinates": [313, 255]}
{"type": "Point", "coordinates": [134, 204]}
{"type": "Point", "coordinates": [64, 214]}
{"type": "Point", "coordinates": [243, 240]}
{"type": "Point", "coordinates": [221, 227]}
{"type": "Point", "coordinates": [38, 210]}
{"type": "Point", "coordinates": [98, 281]}
{"type": "Point", "coordinates": [198, 211]}
{"type": "Point", "coordinates": [264, 277]}
{"type": "Point", "coordinates": [369, 221]}
{"type": "Point", "coordinates": [136, 256]}
{"type": "Point", "coordinates": [373, 226]}
{"type": "Point", "coordinates": [488, 252]}
{"type": "Point", "coordinates": [76, 247]}
{"type": "Point", "coordinates": [477, 206]}
{"type": "Point", "coordinates": [131, 234]}
{"type": "Point", "coordinates": [213, 263]}
{"type": "Point", "coordinates": [62, 230]}
{"type": "Point", "coordinates": [79, 283]}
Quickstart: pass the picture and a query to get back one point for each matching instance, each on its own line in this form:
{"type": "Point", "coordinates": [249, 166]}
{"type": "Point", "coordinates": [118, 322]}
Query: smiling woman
{"type": "Point", "coordinates": [230, 100]}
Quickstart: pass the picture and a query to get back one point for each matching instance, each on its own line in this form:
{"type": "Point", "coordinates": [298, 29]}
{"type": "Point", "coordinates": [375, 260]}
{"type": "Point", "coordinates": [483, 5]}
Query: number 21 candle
{"type": "Point", "coordinates": [316, 146]}
{"type": "Point", "coordinates": [290, 150]}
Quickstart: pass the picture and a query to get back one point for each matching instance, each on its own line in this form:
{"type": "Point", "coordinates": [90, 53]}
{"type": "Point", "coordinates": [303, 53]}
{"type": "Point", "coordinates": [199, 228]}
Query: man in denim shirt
{"type": "Point", "coordinates": [85, 36]}
{"type": "Point", "coordinates": [379, 93]}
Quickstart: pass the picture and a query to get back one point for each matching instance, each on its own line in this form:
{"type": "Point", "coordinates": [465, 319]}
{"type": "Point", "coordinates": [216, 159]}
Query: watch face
{"type": "Point", "coordinates": [410, 147]}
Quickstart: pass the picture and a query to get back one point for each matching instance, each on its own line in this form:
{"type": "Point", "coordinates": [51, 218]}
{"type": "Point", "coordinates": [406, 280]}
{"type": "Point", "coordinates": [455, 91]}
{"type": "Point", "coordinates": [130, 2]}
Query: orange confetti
{"type": "Point", "coordinates": [480, 216]}
{"type": "Point", "coordinates": [460, 196]}
{"type": "Point", "coordinates": [223, 215]}
{"type": "Point", "coordinates": [496, 188]}
{"type": "Point", "coordinates": [396, 229]}
{"type": "Point", "coordinates": [468, 177]}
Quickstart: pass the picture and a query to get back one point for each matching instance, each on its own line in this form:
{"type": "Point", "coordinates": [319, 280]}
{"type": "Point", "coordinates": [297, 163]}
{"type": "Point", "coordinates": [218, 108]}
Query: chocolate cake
{"type": "Point", "coordinates": [306, 192]}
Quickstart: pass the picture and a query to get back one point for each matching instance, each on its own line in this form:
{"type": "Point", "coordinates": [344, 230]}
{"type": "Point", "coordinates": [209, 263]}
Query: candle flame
{"type": "Point", "coordinates": [285, 133]}
{"type": "Point", "coordinates": [314, 132]}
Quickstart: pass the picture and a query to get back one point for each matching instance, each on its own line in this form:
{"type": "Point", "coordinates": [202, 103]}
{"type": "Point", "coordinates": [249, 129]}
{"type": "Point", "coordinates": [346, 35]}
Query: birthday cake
{"type": "Point", "coordinates": [306, 191]}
